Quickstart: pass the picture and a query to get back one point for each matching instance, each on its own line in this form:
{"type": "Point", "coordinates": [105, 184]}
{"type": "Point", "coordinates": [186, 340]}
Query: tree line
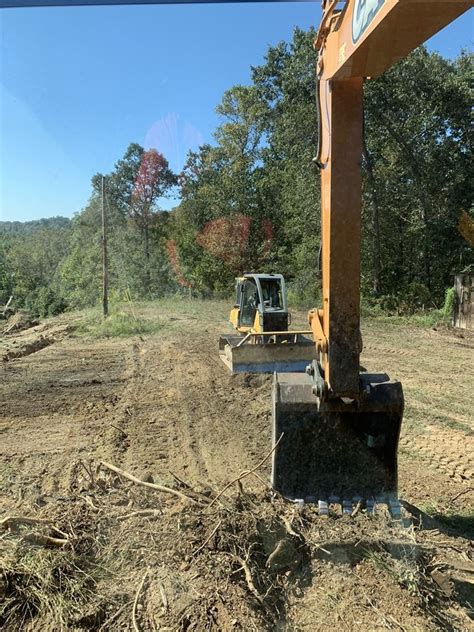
{"type": "Point", "coordinates": [250, 201]}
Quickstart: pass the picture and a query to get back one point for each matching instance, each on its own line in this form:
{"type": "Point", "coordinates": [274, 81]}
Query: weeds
{"type": "Point", "coordinates": [119, 324]}
{"type": "Point", "coordinates": [404, 571]}
{"type": "Point", "coordinates": [40, 582]}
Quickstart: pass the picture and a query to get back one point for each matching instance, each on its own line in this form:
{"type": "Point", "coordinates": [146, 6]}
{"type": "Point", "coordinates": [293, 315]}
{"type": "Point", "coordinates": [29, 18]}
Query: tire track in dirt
{"type": "Point", "coordinates": [446, 450]}
{"type": "Point", "coordinates": [190, 416]}
{"type": "Point", "coordinates": [54, 407]}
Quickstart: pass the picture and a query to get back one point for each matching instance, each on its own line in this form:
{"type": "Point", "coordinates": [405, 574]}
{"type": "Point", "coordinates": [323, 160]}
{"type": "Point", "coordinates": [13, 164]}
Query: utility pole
{"type": "Point", "coordinates": [105, 276]}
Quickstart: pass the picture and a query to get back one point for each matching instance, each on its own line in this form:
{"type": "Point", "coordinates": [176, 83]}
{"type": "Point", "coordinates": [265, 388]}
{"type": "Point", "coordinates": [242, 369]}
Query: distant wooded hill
{"type": "Point", "coordinates": [24, 228]}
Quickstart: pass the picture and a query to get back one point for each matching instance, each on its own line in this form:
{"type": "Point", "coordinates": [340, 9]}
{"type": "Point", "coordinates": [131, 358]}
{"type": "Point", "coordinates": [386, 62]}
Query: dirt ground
{"type": "Point", "coordinates": [104, 553]}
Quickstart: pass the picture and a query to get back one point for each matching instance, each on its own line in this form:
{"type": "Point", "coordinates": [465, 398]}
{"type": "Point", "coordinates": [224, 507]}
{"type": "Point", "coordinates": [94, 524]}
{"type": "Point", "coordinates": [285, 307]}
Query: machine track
{"type": "Point", "coordinates": [448, 451]}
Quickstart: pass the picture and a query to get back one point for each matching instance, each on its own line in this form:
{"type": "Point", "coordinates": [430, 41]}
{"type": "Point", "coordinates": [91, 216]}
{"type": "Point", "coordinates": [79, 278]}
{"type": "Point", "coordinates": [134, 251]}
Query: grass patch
{"type": "Point", "coordinates": [120, 323]}
{"type": "Point", "coordinates": [59, 587]}
{"type": "Point", "coordinates": [45, 583]}
{"type": "Point", "coordinates": [426, 318]}
{"type": "Point", "coordinates": [404, 571]}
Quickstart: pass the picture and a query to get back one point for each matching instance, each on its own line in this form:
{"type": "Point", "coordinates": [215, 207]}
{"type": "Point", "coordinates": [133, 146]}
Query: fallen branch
{"type": "Point", "coordinates": [163, 596]}
{"type": "Point", "coordinates": [119, 429]}
{"type": "Point", "coordinates": [14, 521]}
{"type": "Point", "coordinates": [158, 488]}
{"type": "Point", "coordinates": [246, 473]}
{"type": "Point", "coordinates": [180, 481]}
{"type": "Point", "coordinates": [44, 540]}
{"type": "Point", "coordinates": [146, 513]}
{"type": "Point", "coordinates": [464, 491]}
{"type": "Point", "coordinates": [191, 491]}
{"type": "Point", "coordinates": [135, 603]}
{"type": "Point", "coordinates": [207, 539]}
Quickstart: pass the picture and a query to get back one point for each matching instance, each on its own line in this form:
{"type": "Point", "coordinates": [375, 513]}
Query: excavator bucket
{"type": "Point", "coordinates": [336, 450]}
{"type": "Point", "coordinates": [243, 356]}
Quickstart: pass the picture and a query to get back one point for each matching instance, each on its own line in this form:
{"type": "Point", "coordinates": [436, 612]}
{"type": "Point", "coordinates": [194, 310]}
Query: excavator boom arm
{"type": "Point", "coordinates": [357, 39]}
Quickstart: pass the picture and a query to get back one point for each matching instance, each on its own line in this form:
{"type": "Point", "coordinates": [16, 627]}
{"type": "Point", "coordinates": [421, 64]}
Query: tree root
{"type": "Point", "coordinates": [158, 488]}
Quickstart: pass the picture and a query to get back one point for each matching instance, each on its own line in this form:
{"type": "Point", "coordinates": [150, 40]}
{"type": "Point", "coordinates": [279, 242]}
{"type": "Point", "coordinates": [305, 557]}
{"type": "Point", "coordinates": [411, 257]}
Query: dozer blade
{"type": "Point", "coordinates": [245, 357]}
{"type": "Point", "coordinates": [336, 449]}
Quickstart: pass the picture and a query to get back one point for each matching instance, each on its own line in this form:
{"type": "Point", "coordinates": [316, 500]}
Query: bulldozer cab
{"type": "Point", "coordinates": [263, 343]}
{"type": "Point", "coordinates": [265, 293]}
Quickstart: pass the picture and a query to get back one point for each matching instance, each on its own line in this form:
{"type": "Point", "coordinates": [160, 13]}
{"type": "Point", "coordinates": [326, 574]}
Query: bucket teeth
{"type": "Point", "coordinates": [323, 508]}
{"type": "Point", "coordinates": [346, 507]}
{"type": "Point", "coordinates": [395, 509]}
{"type": "Point", "coordinates": [333, 506]}
{"type": "Point", "coordinates": [325, 450]}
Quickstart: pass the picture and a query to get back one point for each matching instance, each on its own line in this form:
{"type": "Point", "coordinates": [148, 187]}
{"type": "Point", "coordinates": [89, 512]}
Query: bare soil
{"type": "Point", "coordinates": [165, 409]}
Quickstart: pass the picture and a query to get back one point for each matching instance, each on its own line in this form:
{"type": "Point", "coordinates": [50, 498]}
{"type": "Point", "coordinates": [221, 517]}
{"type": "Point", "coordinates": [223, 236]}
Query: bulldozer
{"type": "Point", "coordinates": [262, 342]}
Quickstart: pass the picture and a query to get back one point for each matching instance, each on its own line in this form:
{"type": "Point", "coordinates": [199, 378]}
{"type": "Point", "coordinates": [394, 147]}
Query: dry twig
{"type": "Point", "coordinates": [163, 596]}
{"type": "Point", "coordinates": [146, 513]}
{"type": "Point", "coordinates": [464, 491]}
{"type": "Point", "coordinates": [246, 473]}
{"type": "Point", "coordinates": [135, 602]}
{"type": "Point", "coordinates": [207, 539]}
{"type": "Point", "coordinates": [113, 617]}
{"type": "Point", "coordinates": [158, 488]}
{"type": "Point", "coordinates": [44, 540]}
{"type": "Point", "coordinates": [180, 481]}
{"type": "Point", "coordinates": [119, 429]}
{"type": "Point", "coordinates": [356, 509]}
{"type": "Point", "coordinates": [12, 522]}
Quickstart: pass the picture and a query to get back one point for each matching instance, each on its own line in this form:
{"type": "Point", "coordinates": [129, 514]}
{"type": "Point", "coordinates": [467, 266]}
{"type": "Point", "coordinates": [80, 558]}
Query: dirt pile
{"type": "Point", "coordinates": [115, 553]}
{"type": "Point", "coordinates": [21, 320]}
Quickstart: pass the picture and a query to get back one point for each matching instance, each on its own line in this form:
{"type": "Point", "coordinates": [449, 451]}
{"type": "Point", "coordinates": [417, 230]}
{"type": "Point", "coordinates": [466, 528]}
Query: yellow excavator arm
{"type": "Point", "coordinates": [357, 39]}
{"type": "Point", "coordinates": [336, 429]}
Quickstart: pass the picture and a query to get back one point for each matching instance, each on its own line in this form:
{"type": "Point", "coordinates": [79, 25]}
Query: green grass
{"type": "Point", "coordinates": [120, 323]}
{"type": "Point", "coordinates": [426, 318]}
{"type": "Point", "coordinates": [175, 313]}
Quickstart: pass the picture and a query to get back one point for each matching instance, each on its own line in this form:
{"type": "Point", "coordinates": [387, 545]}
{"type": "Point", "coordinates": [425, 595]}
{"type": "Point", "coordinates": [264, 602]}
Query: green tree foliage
{"type": "Point", "coordinates": [134, 187]}
{"type": "Point", "coordinates": [251, 200]}
{"type": "Point", "coordinates": [30, 254]}
{"type": "Point", "coordinates": [416, 167]}
{"type": "Point", "coordinates": [136, 233]}
{"type": "Point", "coordinates": [417, 154]}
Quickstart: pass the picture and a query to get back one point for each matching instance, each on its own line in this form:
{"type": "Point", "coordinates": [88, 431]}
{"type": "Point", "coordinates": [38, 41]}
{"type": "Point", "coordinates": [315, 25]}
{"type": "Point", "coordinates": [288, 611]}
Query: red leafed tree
{"type": "Point", "coordinates": [229, 239]}
{"type": "Point", "coordinates": [226, 238]}
{"type": "Point", "coordinates": [174, 260]}
{"type": "Point", "coordinates": [153, 180]}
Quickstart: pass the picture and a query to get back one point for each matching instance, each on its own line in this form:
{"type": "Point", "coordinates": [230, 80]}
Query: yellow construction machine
{"type": "Point", "coordinates": [335, 428]}
{"type": "Point", "coordinates": [263, 343]}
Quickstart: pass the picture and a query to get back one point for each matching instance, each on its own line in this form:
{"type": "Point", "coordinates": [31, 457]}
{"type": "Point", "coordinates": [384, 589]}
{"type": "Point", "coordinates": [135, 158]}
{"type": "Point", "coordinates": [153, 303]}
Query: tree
{"type": "Point", "coordinates": [134, 188]}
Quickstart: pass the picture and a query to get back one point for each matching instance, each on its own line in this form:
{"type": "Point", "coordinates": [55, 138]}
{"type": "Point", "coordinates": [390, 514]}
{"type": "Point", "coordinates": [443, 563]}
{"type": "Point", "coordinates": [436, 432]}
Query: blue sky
{"type": "Point", "coordinates": [77, 85]}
